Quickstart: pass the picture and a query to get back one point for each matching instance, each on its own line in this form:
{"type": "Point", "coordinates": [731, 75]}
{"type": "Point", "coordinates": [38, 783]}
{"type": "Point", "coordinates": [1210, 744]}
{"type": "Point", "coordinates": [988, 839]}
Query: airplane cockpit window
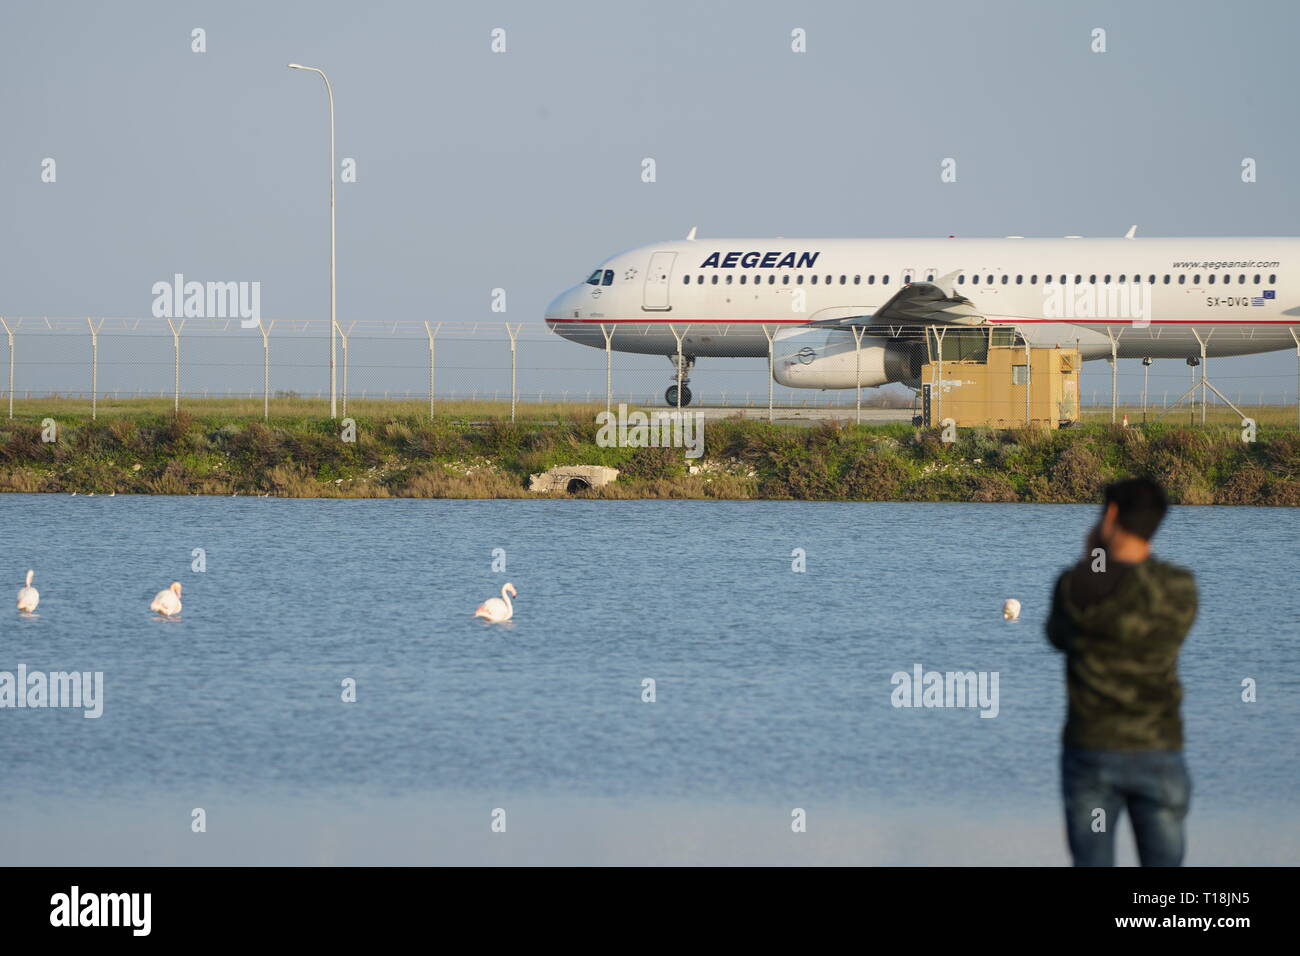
{"type": "Point", "coordinates": [594, 278]}
{"type": "Point", "coordinates": [609, 277]}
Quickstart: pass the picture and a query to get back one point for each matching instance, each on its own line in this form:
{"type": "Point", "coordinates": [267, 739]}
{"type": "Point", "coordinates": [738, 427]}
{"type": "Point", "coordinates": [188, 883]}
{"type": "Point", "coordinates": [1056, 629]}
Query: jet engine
{"type": "Point", "coordinates": [826, 357]}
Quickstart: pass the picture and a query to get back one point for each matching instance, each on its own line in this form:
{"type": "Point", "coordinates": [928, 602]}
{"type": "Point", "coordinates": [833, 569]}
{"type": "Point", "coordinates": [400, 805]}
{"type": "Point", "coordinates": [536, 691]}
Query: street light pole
{"type": "Point", "coordinates": [329, 92]}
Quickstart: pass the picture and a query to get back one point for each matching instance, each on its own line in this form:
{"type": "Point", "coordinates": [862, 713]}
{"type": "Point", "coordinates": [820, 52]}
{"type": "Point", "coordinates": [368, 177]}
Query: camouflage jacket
{"type": "Point", "coordinates": [1121, 634]}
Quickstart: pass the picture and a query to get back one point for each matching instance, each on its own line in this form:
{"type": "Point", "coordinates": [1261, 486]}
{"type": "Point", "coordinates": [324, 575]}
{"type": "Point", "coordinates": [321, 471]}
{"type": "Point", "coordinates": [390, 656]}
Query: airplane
{"type": "Point", "coordinates": [847, 313]}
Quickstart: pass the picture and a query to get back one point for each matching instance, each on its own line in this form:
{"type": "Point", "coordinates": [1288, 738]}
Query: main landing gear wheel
{"type": "Point", "coordinates": [682, 365]}
{"type": "Point", "coordinates": [670, 396]}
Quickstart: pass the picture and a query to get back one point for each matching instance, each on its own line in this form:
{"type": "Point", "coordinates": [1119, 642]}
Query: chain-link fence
{"type": "Point", "coordinates": [185, 359]}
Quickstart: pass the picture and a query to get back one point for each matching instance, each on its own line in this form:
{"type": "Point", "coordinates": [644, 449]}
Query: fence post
{"type": "Point", "coordinates": [857, 370]}
{"type": "Point", "coordinates": [266, 368]}
{"type": "Point", "coordinates": [513, 333]}
{"type": "Point", "coordinates": [609, 366]}
{"type": "Point", "coordinates": [176, 347]}
{"type": "Point", "coordinates": [1293, 335]}
{"type": "Point", "coordinates": [10, 332]}
{"type": "Point", "coordinates": [1029, 380]}
{"type": "Point", "coordinates": [432, 334]}
{"type": "Point", "coordinates": [1205, 363]}
{"type": "Point", "coordinates": [681, 361]}
{"type": "Point", "coordinates": [1114, 371]}
{"type": "Point", "coordinates": [936, 394]}
{"type": "Point", "coordinates": [94, 367]}
{"type": "Point", "coordinates": [771, 372]}
{"type": "Point", "coordinates": [1146, 376]}
{"type": "Point", "coordinates": [344, 336]}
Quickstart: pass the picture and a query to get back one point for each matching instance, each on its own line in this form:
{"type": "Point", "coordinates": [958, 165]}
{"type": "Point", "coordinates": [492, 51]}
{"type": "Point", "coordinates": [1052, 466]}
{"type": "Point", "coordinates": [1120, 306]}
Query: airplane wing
{"type": "Point", "coordinates": [918, 303]}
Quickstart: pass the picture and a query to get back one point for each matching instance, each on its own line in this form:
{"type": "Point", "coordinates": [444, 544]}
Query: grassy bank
{"type": "Point", "coordinates": [397, 455]}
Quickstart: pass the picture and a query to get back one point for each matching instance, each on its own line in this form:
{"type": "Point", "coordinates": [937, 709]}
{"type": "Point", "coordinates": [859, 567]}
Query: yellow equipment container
{"type": "Point", "coordinates": [997, 389]}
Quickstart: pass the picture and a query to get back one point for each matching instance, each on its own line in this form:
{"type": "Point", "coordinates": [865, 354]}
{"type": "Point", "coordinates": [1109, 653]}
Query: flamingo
{"type": "Point", "coordinates": [1010, 609]}
{"type": "Point", "coordinates": [168, 602]}
{"type": "Point", "coordinates": [28, 596]}
{"type": "Point", "coordinates": [499, 609]}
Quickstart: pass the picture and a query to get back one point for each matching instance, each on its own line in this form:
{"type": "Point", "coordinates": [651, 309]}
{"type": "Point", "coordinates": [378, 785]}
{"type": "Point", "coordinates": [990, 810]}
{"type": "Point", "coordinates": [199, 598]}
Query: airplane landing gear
{"type": "Point", "coordinates": [670, 396]}
{"type": "Point", "coordinates": [687, 363]}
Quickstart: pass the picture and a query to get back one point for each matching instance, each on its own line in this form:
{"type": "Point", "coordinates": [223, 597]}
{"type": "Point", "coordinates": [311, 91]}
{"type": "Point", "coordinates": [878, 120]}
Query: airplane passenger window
{"type": "Point", "coordinates": [843, 279]}
{"type": "Point", "coordinates": [1272, 279]}
{"type": "Point", "coordinates": [686, 280]}
{"type": "Point", "coordinates": [715, 280]}
{"type": "Point", "coordinates": [1152, 279]}
{"type": "Point", "coordinates": [871, 279]}
{"type": "Point", "coordinates": [930, 277]}
{"type": "Point", "coordinates": [907, 277]}
{"type": "Point", "coordinates": [609, 277]}
{"type": "Point", "coordinates": [729, 278]}
{"type": "Point", "coordinates": [1005, 279]}
{"type": "Point", "coordinates": [1033, 279]}
{"type": "Point", "coordinates": [1182, 279]}
{"type": "Point", "coordinates": [1211, 278]}
{"type": "Point", "coordinates": [1256, 278]}
{"type": "Point", "coordinates": [1166, 278]}
{"type": "Point", "coordinates": [1092, 279]}
{"type": "Point", "coordinates": [828, 279]}
{"type": "Point", "coordinates": [961, 280]}
{"type": "Point", "coordinates": [1241, 279]}
{"type": "Point", "coordinates": [771, 280]}
{"type": "Point", "coordinates": [785, 279]}
{"type": "Point", "coordinates": [700, 281]}
{"type": "Point", "coordinates": [857, 280]}
{"type": "Point", "coordinates": [1078, 280]}
{"type": "Point", "coordinates": [1106, 281]}
{"type": "Point", "coordinates": [1020, 280]}
{"type": "Point", "coordinates": [884, 280]}
{"type": "Point", "coordinates": [974, 280]}
{"type": "Point", "coordinates": [814, 280]}
{"type": "Point", "coordinates": [1196, 279]}
{"type": "Point", "coordinates": [1121, 278]}
{"type": "Point", "coordinates": [1062, 280]}
{"type": "Point", "coordinates": [799, 279]}
{"type": "Point", "coordinates": [742, 278]}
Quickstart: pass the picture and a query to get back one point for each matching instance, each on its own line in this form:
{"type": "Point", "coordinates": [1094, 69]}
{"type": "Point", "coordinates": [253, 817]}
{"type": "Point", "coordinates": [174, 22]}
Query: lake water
{"type": "Point", "coordinates": [773, 688]}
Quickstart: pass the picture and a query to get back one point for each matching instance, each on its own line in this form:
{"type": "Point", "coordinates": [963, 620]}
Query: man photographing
{"type": "Point", "coordinates": [1120, 615]}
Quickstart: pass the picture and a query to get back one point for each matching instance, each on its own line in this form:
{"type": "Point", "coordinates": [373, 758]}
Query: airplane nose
{"type": "Point", "coordinates": [560, 307]}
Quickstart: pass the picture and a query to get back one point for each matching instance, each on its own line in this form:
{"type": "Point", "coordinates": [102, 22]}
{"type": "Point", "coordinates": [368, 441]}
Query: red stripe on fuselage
{"type": "Point", "coordinates": [1242, 322]}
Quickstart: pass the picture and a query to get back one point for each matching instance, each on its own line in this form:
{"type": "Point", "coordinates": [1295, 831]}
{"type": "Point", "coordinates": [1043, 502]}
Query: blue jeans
{"type": "Point", "coordinates": [1153, 785]}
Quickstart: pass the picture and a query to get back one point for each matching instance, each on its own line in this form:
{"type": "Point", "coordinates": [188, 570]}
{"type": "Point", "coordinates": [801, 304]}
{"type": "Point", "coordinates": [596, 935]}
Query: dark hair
{"type": "Point", "coordinates": [1141, 504]}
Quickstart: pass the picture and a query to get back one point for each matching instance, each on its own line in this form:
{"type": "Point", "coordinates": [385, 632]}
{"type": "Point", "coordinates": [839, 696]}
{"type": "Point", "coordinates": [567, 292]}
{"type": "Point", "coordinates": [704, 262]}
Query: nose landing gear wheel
{"type": "Point", "coordinates": [670, 396]}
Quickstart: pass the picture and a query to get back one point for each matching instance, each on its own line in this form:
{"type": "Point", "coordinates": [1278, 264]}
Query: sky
{"type": "Point", "coordinates": [522, 170]}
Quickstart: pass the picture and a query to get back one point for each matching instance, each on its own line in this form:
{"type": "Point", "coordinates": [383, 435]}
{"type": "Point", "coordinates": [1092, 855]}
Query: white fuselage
{"type": "Point", "coordinates": [726, 297]}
